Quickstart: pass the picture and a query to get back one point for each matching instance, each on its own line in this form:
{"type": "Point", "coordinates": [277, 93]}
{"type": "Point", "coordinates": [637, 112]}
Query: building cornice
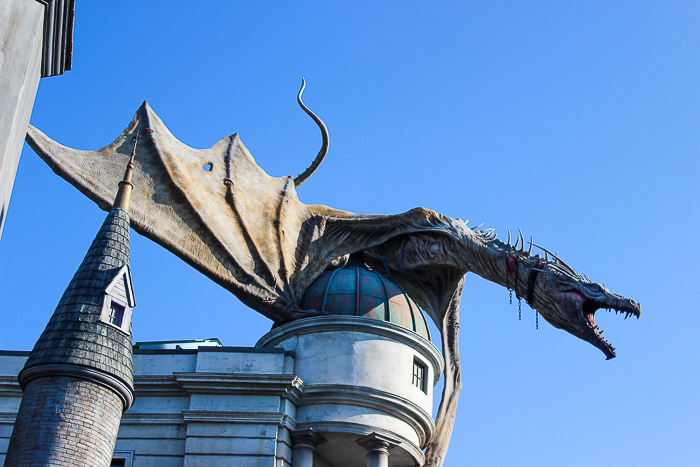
{"type": "Point", "coordinates": [396, 406]}
{"type": "Point", "coordinates": [9, 387]}
{"type": "Point", "coordinates": [266, 418]}
{"type": "Point", "coordinates": [57, 53]}
{"type": "Point", "coordinates": [286, 386]}
{"type": "Point", "coordinates": [139, 418]}
{"type": "Point", "coordinates": [8, 418]}
{"type": "Point", "coordinates": [363, 430]}
{"type": "Point", "coordinates": [157, 385]}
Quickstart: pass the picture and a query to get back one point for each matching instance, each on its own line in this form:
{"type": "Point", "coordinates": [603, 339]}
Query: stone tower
{"type": "Point", "coordinates": [78, 379]}
{"type": "Point", "coordinates": [368, 369]}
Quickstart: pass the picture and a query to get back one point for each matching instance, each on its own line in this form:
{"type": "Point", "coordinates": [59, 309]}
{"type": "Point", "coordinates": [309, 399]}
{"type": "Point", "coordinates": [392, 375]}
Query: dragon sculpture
{"type": "Point", "coordinates": [247, 231]}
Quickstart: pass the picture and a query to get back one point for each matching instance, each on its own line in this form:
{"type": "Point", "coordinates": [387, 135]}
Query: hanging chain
{"type": "Point", "coordinates": [537, 319]}
{"type": "Point", "coordinates": [520, 304]}
{"type": "Point", "coordinates": [510, 295]}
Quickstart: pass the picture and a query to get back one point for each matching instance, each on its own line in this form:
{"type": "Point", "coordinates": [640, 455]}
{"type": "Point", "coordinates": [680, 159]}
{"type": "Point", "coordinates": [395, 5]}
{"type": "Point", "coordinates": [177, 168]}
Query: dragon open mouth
{"type": "Point", "coordinates": [588, 308]}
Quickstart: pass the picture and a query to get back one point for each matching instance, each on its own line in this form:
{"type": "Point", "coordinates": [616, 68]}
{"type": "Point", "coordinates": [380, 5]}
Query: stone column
{"type": "Point", "coordinates": [304, 444]}
{"type": "Point", "coordinates": [377, 447]}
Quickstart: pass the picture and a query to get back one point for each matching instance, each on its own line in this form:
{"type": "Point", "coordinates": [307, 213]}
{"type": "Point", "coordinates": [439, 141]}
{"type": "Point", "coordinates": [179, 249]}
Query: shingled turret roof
{"type": "Point", "coordinates": [89, 333]}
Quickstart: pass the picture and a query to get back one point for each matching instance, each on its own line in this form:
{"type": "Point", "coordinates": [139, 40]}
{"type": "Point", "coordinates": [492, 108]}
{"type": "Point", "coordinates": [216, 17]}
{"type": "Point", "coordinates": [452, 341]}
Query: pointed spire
{"type": "Point", "coordinates": [91, 326]}
{"type": "Point", "coordinates": [123, 198]}
{"type": "Point", "coordinates": [78, 379]}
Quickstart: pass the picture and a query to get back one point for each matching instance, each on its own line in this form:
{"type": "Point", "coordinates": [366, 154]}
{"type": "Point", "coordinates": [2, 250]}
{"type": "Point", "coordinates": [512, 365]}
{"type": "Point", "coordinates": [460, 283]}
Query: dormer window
{"type": "Point", "coordinates": [118, 301]}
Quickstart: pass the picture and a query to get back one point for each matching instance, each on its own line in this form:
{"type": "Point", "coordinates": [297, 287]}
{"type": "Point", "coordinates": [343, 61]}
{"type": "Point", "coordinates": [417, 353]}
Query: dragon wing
{"type": "Point", "coordinates": [247, 231]}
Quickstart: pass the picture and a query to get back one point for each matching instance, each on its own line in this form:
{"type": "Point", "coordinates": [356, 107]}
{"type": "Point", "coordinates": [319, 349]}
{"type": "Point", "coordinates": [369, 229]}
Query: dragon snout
{"type": "Point", "coordinates": [631, 308]}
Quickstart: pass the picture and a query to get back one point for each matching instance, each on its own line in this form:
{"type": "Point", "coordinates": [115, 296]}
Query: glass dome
{"type": "Point", "coordinates": [357, 291]}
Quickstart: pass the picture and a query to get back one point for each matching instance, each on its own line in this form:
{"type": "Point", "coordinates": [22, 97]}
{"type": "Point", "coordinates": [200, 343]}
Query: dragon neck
{"type": "Point", "coordinates": [475, 252]}
{"type": "Point", "coordinates": [505, 265]}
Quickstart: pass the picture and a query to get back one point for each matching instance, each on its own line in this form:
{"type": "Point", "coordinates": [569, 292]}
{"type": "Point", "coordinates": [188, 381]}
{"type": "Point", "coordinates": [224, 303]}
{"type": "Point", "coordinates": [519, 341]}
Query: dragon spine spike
{"type": "Point", "coordinates": [546, 251]}
{"type": "Point", "coordinates": [301, 178]}
{"type": "Point", "coordinates": [561, 264]}
{"type": "Point", "coordinates": [508, 237]}
{"type": "Point", "coordinates": [477, 227]}
{"type": "Point", "coordinates": [522, 240]}
{"type": "Point", "coordinates": [529, 252]}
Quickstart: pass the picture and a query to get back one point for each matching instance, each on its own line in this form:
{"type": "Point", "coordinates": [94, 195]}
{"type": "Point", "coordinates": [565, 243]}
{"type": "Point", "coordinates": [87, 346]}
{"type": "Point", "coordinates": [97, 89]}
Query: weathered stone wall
{"type": "Point", "coordinates": [206, 407]}
{"type": "Point", "coordinates": [65, 421]}
{"type": "Point", "coordinates": [211, 407]}
{"type": "Point", "coordinates": [21, 28]}
{"type": "Point", "coordinates": [26, 54]}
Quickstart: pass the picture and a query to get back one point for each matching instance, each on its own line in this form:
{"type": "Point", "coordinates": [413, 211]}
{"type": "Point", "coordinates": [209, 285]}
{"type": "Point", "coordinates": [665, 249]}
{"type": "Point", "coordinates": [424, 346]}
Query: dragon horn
{"type": "Point", "coordinates": [301, 178]}
{"type": "Point", "coordinates": [508, 237]}
{"type": "Point", "coordinates": [475, 228]}
{"type": "Point", "coordinates": [529, 252]}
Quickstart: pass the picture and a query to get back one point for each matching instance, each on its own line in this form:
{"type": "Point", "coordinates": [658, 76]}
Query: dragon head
{"type": "Point", "coordinates": [569, 301]}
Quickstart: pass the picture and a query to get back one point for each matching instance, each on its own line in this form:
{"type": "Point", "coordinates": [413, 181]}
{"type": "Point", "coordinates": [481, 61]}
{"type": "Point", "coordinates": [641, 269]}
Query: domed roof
{"type": "Point", "coordinates": [355, 290]}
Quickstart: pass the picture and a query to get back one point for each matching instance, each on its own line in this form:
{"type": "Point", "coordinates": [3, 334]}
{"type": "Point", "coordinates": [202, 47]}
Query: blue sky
{"type": "Point", "coordinates": [577, 122]}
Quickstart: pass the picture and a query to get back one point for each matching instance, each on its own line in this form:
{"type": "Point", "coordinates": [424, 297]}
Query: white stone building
{"type": "Point", "coordinates": [331, 391]}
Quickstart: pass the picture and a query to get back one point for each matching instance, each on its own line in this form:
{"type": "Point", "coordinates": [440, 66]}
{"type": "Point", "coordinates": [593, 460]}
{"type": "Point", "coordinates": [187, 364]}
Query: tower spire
{"type": "Point", "coordinates": [123, 198]}
{"type": "Point", "coordinates": [78, 379]}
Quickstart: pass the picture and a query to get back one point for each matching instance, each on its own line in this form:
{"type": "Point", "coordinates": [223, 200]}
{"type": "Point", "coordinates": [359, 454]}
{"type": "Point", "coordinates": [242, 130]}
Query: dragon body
{"type": "Point", "coordinates": [221, 213]}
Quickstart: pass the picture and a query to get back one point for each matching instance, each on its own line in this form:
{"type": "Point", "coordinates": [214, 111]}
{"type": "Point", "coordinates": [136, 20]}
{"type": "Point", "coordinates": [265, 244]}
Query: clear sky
{"type": "Point", "coordinates": [577, 122]}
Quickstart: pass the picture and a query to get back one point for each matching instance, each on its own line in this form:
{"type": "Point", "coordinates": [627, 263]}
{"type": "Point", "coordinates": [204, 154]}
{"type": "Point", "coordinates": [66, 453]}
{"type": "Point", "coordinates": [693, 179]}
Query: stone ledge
{"type": "Point", "coordinates": [8, 418]}
{"type": "Point", "coordinates": [391, 404]}
{"type": "Point", "coordinates": [124, 392]}
{"type": "Point", "coordinates": [264, 418]}
{"type": "Point", "coordinates": [157, 385]}
{"type": "Point", "coordinates": [364, 430]}
{"type": "Point", "coordinates": [9, 386]}
{"type": "Point", "coordinates": [140, 418]}
{"type": "Point", "coordinates": [285, 386]}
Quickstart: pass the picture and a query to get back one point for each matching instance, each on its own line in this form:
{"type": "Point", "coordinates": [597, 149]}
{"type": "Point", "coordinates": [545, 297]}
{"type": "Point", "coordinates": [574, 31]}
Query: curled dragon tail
{"type": "Point", "coordinates": [301, 178]}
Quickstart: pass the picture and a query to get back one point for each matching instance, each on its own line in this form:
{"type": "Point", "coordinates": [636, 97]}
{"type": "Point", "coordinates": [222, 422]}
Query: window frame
{"type": "Point", "coordinates": [419, 378]}
{"type": "Point", "coordinates": [117, 310]}
{"type": "Point", "coordinates": [126, 456]}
